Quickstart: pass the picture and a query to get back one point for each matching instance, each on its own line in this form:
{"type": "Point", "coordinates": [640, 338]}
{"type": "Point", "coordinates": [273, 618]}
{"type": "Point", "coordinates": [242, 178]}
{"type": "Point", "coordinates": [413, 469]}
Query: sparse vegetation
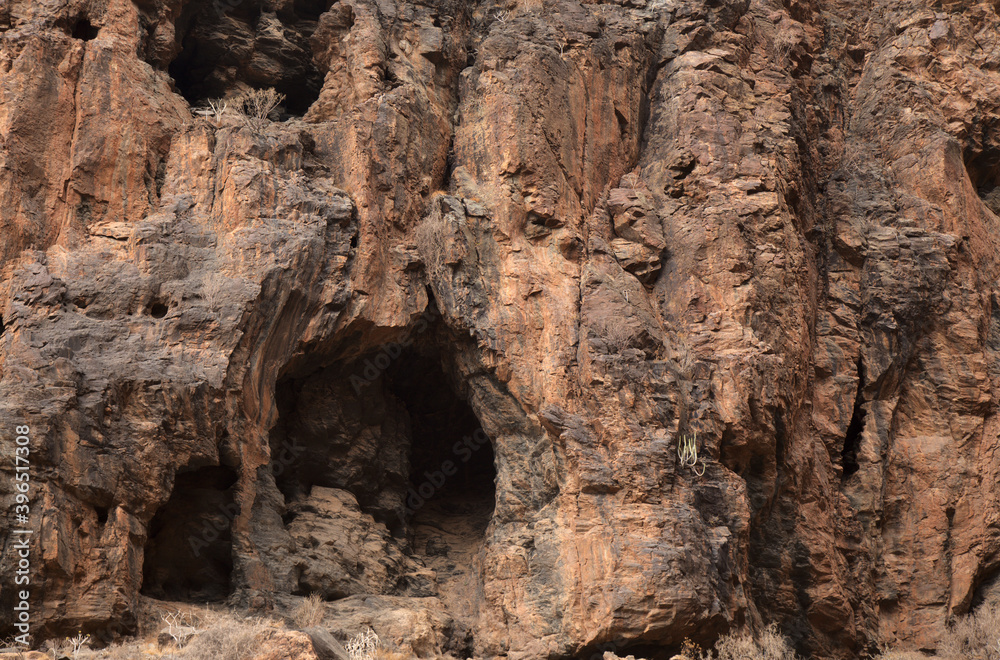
{"type": "Point", "coordinates": [213, 289]}
{"type": "Point", "coordinates": [217, 111]}
{"type": "Point", "coordinates": [77, 644]}
{"type": "Point", "coordinates": [435, 241]}
{"type": "Point", "coordinates": [216, 636]}
{"type": "Point", "coordinates": [616, 334]}
{"type": "Point", "coordinates": [228, 638]}
{"type": "Point", "coordinates": [364, 646]}
{"type": "Point", "coordinates": [687, 452]}
{"type": "Point", "coordinates": [252, 109]}
{"type": "Point", "coordinates": [310, 612]}
{"type": "Point", "coordinates": [974, 637]}
{"type": "Point", "coordinates": [178, 624]}
{"type": "Point", "coordinates": [768, 645]}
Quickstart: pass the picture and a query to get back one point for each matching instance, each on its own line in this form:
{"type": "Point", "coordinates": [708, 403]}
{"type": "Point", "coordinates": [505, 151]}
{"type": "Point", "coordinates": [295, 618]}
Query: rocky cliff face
{"type": "Point", "coordinates": [427, 344]}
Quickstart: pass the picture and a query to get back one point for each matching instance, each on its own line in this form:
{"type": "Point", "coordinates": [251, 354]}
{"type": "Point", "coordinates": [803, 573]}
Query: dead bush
{"type": "Point", "coordinates": [434, 238]}
{"type": "Point", "coordinates": [309, 613]}
{"type": "Point", "coordinates": [768, 645]}
{"type": "Point", "coordinates": [222, 636]}
{"type": "Point", "coordinates": [255, 106]}
{"type": "Point", "coordinates": [227, 638]}
{"type": "Point", "coordinates": [364, 646]}
{"type": "Point", "coordinates": [616, 333]}
{"type": "Point", "coordinates": [974, 637]}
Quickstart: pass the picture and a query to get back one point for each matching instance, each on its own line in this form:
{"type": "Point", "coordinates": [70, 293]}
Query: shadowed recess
{"type": "Point", "coordinates": [229, 47]}
{"type": "Point", "coordinates": [452, 473]}
{"type": "Point", "coordinates": [188, 555]}
{"type": "Point", "coordinates": [392, 429]}
{"type": "Point", "coordinates": [852, 440]}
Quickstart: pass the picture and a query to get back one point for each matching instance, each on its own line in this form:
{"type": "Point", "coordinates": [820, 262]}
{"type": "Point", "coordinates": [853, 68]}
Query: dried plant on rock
{"type": "Point", "coordinates": [255, 106]}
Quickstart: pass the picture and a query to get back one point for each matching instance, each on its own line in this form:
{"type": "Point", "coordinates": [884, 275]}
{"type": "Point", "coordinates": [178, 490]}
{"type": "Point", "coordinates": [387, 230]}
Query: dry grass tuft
{"type": "Point", "coordinates": [228, 638]}
{"type": "Point", "coordinates": [310, 612]}
{"type": "Point", "coordinates": [976, 636]}
{"type": "Point", "coordinates": [973, 637]}
{"type": "Point", "coordinates": [364, 646]}
{"type": "Point", "coordinates": [769, 645]}
{"type": "Point", "coordinates": [220, 636]}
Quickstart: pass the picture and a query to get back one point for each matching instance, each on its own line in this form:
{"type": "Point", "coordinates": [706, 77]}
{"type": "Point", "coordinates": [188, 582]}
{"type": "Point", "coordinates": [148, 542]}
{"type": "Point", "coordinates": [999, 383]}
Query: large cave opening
{"type": "Point", "coordinates": [188, 554]}
{"type": "Point", "coordinates": [394, 428]}
{"type": "Point", "coordinates": [230, 46]}
{"type": "Point", "coordinates": [452, 475]}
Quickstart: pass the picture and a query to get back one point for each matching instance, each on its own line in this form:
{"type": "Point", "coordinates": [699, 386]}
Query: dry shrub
{"type": "Point", "coordinates": [131, 650]}
{"type": "Point", "coordinates": [254, 106]}
{"type": "Point", "coordinates": [434, 237]}
{"type": "Point", "coordinates": [616, 333]}
{"type": "Point", "coordinates": [364, 646]}
{"type": "Point", "coordinates": [227, 638]}
{"type": "Point", "coordinates": [769, 645]}
{"type": "Point", "coordinates": [214, 287]}
{"type": "Point", "coordinates": [310, 612]}
{"type": "Point", "coordinates": [221, 637]}
{"type": "Point", "coordinates": [218, 112]}
{"type": "Point", "coordinates": [975, 637]}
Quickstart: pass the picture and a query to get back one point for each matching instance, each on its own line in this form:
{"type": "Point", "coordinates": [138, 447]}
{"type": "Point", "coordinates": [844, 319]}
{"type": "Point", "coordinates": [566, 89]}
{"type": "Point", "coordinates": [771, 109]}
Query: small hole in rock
{"type": "Point", "coordinates": [158, 310]}
{"type": "Point", "coordinates": [102, 514]}
{"type": "Point", "coordinates": [84, 30]}
{"type": "Point", "coordinates": [3, 327]}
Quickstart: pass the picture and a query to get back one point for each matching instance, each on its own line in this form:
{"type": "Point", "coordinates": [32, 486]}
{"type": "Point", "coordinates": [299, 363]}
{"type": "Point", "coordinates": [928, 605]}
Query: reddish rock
{"type": "Point", "coordinates": [481, 273]}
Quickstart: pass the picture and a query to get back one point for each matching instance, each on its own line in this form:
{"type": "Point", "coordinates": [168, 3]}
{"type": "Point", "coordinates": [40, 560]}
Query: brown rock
{"type": "Point", "coordinates": [426, 344]}
{"type": "Point", "coordinates": [326, 645]}
{"type": "Point", "coordinates": [286, 645]}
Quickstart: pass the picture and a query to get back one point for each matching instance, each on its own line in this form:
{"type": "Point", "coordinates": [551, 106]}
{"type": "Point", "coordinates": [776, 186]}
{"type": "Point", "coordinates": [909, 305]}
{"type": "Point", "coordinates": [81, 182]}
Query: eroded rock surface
{"type": "Point", "coordinates": [508, 254]}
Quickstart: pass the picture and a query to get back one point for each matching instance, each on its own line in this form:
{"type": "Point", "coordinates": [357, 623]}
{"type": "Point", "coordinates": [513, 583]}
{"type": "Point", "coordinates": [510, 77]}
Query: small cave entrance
{"type": "Point", "coordinates": [983, 168]}
{"type": "Point", "coordinates": [393, 428]}
{"type": "Point", "coordinates": [79, 27]}
{"type": "Point", "coordinates": [84, 30]}
{"type": "Point", "coordinates": [188, 555]}
{"type": "Point", "coordinates": [227, 48]}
